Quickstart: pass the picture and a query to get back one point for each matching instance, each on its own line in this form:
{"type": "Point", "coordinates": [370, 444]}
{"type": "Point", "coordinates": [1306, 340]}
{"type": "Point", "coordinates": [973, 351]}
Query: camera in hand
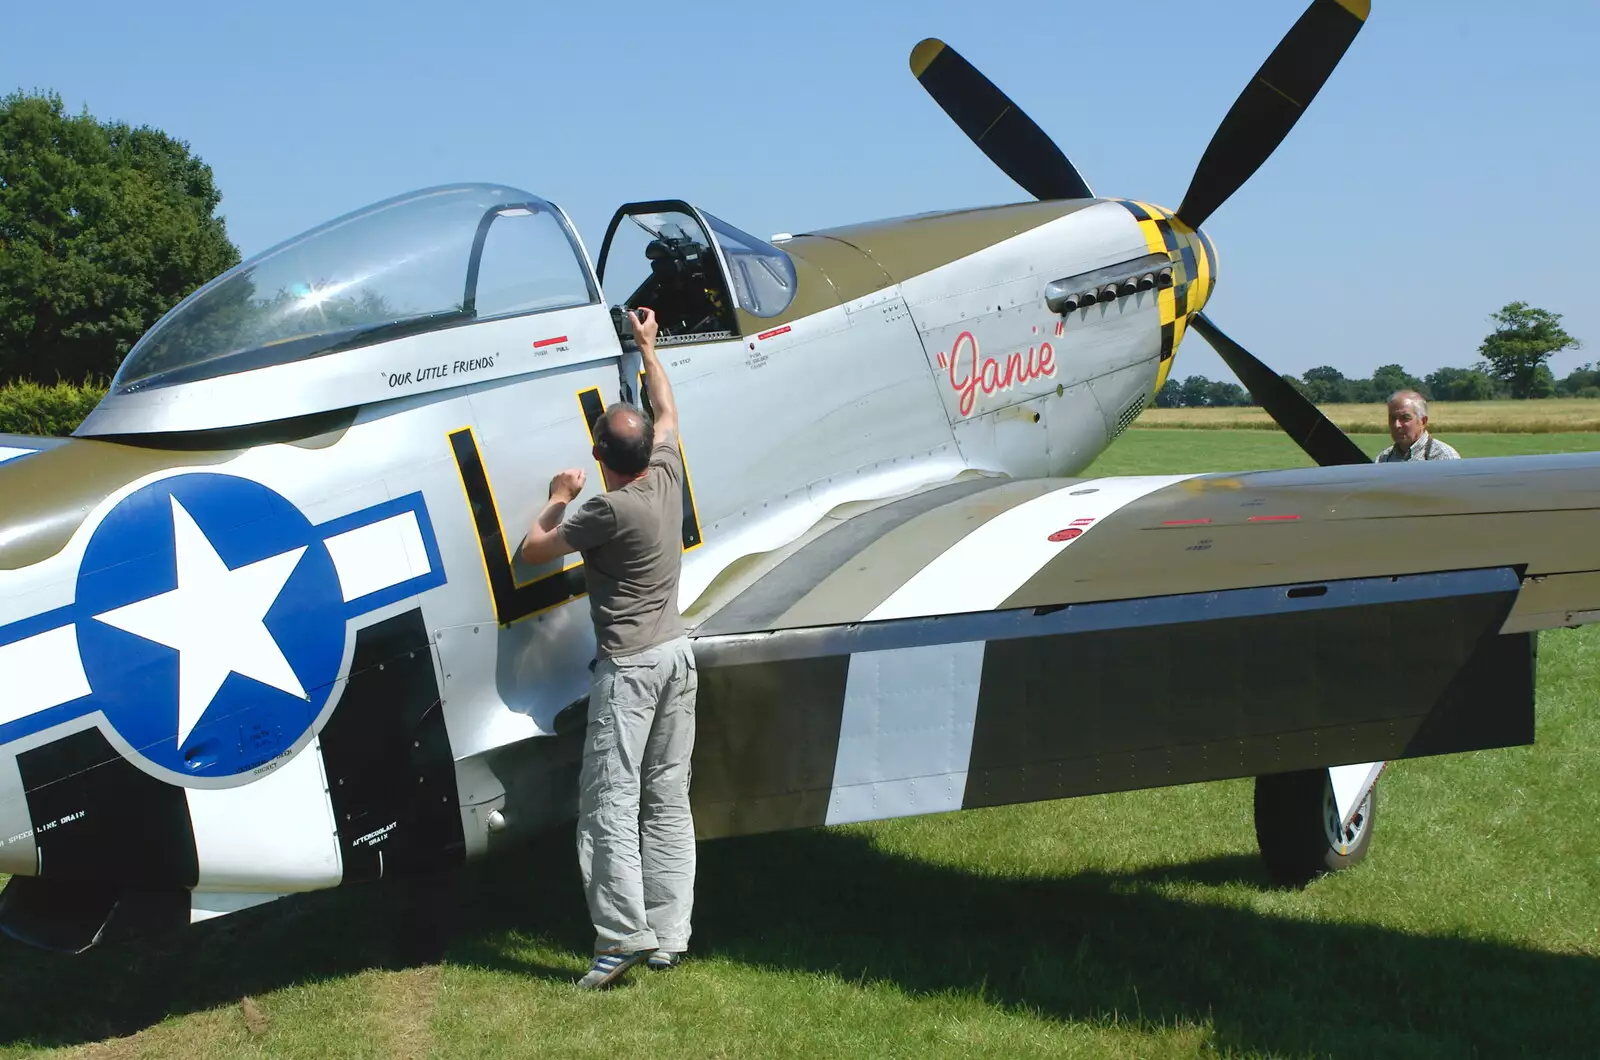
{"type": "Point", "coordinates": [623, 322]}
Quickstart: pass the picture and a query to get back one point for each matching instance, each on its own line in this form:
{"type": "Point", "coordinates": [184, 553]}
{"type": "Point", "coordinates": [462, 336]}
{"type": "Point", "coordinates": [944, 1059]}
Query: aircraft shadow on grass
{"type": "Point", "coordinates": [1079, 947]}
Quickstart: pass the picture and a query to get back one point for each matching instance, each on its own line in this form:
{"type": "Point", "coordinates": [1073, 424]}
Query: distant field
{"type": "Point", "coordinates": [1178, 451]}
{"type": "Point", "coordinates": [1499, 417]}
{"type": "Point", "coordinates": [1135, 925]}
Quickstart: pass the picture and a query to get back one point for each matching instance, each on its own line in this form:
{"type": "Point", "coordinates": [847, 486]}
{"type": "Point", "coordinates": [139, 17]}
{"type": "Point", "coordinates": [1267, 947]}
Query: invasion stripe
{"type": "Point", "coordinates": [279, 826]}
{"type": "Point", "coordinates": [986, 566]}
{"type": "Point", "coordinates": [905, 738]}
{"type": "Point", "coordinates": [208, 905]}
{"type": "Point", "coordinates": [775, 592]}
{"type": "Point", "coordinates": [126, 826]}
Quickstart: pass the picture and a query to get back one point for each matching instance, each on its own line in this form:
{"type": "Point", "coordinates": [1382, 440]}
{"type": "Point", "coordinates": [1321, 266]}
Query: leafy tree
{"type": "Point", "coordinates": [1194, 391]}
{"type": "Point", "coordinates": [1300, 387]}
{"type": "Point", "coordinates": [1222, 394]}
{"type": "Point", "coordinates": [1459, 384]}
{"type": "Point", "coordinates": [1170, 395]}
{"type": "Point", "coordinates": [1524, 338]}
{"type": "Point", "coordinates": [1501, 389]}
{"type": "Point", "coordinates": [1365, 392]}
{"type": "Point", "coordinates": [1475, 386]}
{"type": "Point", "coordinates": [103, 228]}
{"type": "Point", "coordinates": [1391, 377]}
{"type": "Point", "coordinates": [1543, 384]}
{"type": "Point", "coordinates": [1327, 385]}
{"type": "Point", "coordinates": [1442, 383]}
{"type": "Point", "coordinates": [1583, 377]}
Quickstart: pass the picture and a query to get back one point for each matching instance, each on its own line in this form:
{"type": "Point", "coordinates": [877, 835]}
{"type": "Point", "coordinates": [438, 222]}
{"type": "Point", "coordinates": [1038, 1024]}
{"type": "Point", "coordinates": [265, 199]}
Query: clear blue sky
{"type": "Point", "coordinates": [1449, 166]}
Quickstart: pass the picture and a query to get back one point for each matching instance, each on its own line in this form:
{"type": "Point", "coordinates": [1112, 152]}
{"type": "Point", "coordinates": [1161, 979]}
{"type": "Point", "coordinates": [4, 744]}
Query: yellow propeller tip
{"type": "Point", "coordinates": [923, 55]}
{"type": "Point", "coordinates": [1359, 8]}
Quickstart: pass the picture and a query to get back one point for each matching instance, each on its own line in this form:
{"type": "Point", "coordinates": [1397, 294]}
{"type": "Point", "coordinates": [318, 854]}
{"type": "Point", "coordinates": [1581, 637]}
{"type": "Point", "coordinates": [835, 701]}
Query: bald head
{"type": "Point", "coordinates": [1416, 400]}
{"type": "Point", "coordinates": [622, 437]}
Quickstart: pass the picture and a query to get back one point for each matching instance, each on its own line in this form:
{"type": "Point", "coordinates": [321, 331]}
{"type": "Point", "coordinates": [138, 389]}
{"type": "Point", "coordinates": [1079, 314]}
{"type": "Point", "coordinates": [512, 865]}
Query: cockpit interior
{"type": "Point", "coordinates": [661, 254]}
{"type": "Point", "coordinates": [684, 285]}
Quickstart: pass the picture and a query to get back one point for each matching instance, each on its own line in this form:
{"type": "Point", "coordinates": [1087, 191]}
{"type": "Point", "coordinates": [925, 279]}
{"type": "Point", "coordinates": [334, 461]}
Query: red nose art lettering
{"type": "Point", "coordinates": [971, 372]}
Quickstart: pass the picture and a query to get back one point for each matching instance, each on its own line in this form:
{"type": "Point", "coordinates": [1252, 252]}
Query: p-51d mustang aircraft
{"type": "Point", "coordinates": [263, 628]}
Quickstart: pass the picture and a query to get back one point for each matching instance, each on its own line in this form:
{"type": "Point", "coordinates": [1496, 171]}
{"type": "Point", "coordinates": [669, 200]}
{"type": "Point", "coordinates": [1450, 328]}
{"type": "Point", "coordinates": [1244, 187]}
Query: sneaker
{"type": "Point", "coordinates": [609, 967]}
{"type": "Point", "coordinates": [661, 960]}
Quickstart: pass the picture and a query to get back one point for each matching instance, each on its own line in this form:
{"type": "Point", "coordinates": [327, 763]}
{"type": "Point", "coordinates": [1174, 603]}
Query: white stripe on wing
{"type": "Point", "coordinates": [978, 572]}
{"type": "Point", "coordinates": [905, 740]}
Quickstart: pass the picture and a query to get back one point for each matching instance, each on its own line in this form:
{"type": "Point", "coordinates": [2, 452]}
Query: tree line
{"type": "Point", "coordinates": [1513, 365]}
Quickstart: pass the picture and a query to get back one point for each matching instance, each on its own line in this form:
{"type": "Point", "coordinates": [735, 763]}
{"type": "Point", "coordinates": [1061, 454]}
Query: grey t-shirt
{"type": "Point", "coordinates": [632, 544]}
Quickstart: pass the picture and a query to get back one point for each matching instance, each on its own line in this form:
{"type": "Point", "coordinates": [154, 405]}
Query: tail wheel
{"type": "Point", "coordinates": [1298, 827]}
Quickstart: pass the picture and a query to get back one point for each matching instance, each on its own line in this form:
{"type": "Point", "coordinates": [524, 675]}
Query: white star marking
{"type": "Point", "coordinates": [215, 619]}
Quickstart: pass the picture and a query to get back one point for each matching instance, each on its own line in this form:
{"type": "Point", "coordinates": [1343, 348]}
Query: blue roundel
{"type": "Point", "coordinates": [211, 623]}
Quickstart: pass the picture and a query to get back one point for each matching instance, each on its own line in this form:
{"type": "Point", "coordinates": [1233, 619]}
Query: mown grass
{"type": "Point", "coordinates": [1553, 415]}
{"type": "Point", "coordinates": [1130, 925]}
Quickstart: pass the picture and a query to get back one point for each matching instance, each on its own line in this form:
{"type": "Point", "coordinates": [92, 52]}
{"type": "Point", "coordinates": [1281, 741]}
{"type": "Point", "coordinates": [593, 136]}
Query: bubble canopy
{"type": "Point", "coordinates": [430, 259]}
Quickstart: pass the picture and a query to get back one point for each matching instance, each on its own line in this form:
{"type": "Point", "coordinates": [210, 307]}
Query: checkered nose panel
{"type": "Point", "coordinates": [1194, 270]}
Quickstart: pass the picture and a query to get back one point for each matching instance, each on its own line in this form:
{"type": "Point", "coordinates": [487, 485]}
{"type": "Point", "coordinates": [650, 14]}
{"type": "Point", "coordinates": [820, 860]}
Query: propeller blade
{"type": "Point", "coordinates": [1002, 131]}
{"type": "Point", "coordinates": [1290, 409]}
{"type": "Point", "coordinates": [1273, 101]}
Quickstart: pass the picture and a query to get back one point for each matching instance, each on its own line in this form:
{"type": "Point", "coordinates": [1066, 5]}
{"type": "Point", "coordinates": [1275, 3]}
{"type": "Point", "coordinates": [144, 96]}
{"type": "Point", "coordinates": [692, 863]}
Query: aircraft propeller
{"type": "Point", "coordinates": [1300, 419]}
{"type": "Point", "coordinates": [1271, 103]}
{"type": "Point", "coordinates": [1001, 130]}
{"type": "Point", "coordinates": [1254, 126]}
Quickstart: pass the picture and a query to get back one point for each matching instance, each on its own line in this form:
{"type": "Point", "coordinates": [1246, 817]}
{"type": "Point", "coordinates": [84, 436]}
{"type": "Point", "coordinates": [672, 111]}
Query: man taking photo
{"type": "Point", "coordinates": [636, 846]}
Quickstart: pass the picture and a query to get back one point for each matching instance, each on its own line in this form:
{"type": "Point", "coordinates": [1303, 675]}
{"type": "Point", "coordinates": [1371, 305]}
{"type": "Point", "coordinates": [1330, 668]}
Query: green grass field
{"type": "Point", "coordinates": [1130, 925]}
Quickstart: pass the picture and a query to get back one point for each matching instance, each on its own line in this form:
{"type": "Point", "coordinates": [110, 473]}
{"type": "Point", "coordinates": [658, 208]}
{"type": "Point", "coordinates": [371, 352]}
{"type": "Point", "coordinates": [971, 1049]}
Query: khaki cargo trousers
{"type": "Point", "coordinates": [635, 832]}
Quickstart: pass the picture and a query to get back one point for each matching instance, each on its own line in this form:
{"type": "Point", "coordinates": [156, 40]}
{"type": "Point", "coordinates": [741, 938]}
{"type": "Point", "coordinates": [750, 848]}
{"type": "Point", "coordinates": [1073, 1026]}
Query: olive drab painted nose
{"type": "Point", "coordinates": [48, 486]}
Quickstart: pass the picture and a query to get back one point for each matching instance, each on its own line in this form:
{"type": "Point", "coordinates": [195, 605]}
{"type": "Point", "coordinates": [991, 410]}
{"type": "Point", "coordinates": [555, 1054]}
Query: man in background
{"type": "Point", "coordinates": [1408, 427]}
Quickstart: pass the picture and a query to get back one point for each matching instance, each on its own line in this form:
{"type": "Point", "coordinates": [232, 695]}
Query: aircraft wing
{"type": "Point", "coordinates": [993, 640]}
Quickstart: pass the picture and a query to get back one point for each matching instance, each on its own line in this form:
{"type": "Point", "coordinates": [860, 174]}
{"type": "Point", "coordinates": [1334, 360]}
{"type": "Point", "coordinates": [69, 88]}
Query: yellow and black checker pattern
{"type": "Point", "coordinates": [1194, 271]}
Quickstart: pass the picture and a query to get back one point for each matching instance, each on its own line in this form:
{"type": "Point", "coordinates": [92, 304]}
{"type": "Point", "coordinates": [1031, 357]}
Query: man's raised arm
{"type": "Point", "coordinates": [661, 400]}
